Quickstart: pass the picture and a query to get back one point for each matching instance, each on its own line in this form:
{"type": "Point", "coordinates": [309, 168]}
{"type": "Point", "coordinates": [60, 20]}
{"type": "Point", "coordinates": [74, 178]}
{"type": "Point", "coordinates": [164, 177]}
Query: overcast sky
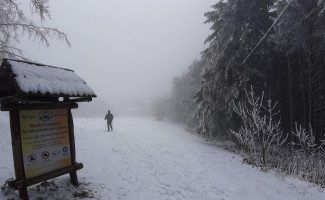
{"type": "Point", "coordinates": [126, 49]}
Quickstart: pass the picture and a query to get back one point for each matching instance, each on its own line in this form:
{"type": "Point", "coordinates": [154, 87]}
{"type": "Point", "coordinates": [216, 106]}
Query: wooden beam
{"type": "Point", "coordinates": [73, 175]}
{"type": "Point", "coordinates": [82, 99]}
{"type": "Point", "coordinates": [5, 106]}
{"type": "Point", "coordinates": [21, 183]}
{"type": "Point", "coordinates": [17, 151]}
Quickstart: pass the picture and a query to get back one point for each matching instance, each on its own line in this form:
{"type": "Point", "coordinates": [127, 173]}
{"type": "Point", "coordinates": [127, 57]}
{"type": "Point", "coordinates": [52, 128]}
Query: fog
{"type": "Point", "coordinates": [128, 51]}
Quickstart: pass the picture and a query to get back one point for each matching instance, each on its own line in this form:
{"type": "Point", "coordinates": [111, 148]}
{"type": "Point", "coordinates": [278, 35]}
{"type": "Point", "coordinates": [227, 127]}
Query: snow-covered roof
{"type": "Point", "coordinates": [44, 80]}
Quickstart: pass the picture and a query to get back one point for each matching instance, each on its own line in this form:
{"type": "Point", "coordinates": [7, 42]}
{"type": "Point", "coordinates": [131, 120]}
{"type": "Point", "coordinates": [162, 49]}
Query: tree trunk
{"type": "Point", "coordinates": [302, 80]}
{"type": "Point", "coordinates": [309, 89]}
{"type": "Point", "coordinates": [290, 94]}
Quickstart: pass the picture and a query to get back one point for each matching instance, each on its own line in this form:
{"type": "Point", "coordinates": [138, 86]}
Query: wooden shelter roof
{"type": "Point", "coordinates": [28, 79]}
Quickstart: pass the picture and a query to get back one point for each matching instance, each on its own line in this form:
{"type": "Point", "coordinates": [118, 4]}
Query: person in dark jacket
{"type": "Point", "coordinates": [109, 118]}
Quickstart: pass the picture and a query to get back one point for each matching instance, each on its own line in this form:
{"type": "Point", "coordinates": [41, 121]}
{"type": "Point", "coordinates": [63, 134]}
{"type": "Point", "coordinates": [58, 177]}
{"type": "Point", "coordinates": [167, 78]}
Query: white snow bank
{"type": "Point", "coordinates": [32, 78]}
{"type": "Point", "coordinates": [145, 160]}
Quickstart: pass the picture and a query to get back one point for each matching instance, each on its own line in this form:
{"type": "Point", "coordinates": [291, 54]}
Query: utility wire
{"type": "Point", "coordinates": [267, 32]}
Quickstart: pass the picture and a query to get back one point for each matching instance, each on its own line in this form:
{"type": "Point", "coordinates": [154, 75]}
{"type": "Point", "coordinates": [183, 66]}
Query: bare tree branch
{"type": "Point", "coordinates": [14, 24]}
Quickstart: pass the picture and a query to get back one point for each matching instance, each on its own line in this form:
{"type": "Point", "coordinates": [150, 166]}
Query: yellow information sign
{"type": "Point", "coordinates": [45, 140]}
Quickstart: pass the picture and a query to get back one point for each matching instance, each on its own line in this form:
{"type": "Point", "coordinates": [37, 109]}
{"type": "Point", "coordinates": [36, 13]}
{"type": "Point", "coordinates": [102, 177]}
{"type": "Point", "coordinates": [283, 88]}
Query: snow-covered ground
{"type": "Point", "coordinates": [145, 159]}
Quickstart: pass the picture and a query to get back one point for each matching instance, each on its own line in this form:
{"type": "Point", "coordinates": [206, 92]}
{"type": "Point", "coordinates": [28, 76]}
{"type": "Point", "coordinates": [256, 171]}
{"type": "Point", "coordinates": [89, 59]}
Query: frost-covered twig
{"type": "Point", "coordinates": [260, 132]}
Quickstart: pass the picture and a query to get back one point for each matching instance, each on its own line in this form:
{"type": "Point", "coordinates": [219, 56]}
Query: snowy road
{"type": "Point", "coordinates": [150, 160]}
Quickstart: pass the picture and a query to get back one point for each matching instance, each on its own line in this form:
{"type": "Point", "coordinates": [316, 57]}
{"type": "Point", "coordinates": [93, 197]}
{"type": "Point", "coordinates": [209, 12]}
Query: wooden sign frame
{"type": "Point", "coordinates": [21, 183]}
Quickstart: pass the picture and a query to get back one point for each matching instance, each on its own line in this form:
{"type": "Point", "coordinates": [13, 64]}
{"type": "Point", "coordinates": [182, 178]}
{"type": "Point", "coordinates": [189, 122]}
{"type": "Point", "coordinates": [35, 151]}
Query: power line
{"type": "Point", "coordinates": [275, 21]}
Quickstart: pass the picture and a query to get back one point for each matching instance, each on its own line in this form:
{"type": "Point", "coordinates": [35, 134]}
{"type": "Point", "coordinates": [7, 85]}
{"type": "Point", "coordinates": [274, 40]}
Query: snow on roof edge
{"type": "Point", "coordinates": [46, 80]}
{"type": "Point", "coordinates": [35, 63]}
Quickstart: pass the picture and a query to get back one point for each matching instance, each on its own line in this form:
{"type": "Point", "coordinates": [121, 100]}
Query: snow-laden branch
{"type": "Point", "coordinates": [14, 24]}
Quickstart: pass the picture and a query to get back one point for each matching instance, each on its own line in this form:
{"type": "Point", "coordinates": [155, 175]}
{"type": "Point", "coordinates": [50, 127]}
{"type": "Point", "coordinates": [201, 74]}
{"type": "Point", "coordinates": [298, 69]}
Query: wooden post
{"type": "Point", "coordinates": [73, 175]}
{"type": "Point", "coordinates": [17, 151]}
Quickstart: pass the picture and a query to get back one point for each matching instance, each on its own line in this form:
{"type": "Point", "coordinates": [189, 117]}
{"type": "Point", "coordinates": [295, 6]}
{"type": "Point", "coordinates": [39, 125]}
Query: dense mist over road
{"type": "Point", "coordinates": [127, 51]}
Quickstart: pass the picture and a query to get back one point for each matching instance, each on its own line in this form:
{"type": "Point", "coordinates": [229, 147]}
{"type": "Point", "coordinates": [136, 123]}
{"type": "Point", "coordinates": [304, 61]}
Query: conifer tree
{"type": "Point", "coordinates": [237, 26]}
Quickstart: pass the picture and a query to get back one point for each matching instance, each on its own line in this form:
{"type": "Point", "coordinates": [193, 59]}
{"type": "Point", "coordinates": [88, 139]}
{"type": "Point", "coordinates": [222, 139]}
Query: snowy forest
{"type": "Point", "coordinates": [245, 120]}
{"type": "Point", "coordinates": [261, 84]}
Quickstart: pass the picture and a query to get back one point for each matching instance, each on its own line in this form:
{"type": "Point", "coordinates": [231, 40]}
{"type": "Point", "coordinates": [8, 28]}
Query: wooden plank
{"type": "Point", "coordinates": [83, 99]}
{"type": "Point", "coordinates": [21, 183]}
{"type": "Point", "coordinates": [5, 106]}
{"type": "Point", "coordinates": [43, 106]}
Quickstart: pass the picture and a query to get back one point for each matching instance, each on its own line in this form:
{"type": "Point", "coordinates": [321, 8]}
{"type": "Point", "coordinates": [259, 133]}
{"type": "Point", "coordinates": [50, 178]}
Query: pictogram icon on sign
{"type": "Point", "coordinates": [65, 149]}
{"type": "Point", "coordinates": [31, 158]}
{"type": "Point", "coordinates": [45, 155]}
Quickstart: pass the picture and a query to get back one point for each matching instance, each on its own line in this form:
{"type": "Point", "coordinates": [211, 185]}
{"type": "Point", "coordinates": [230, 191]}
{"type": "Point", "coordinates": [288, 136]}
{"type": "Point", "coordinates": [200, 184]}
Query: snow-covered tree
{"type": "Point", "coordinates": [237, 26]}
{"type": "Point", "coordinates": [300, 46]}
{"type": "Point", "coordinates": [183, 107]}
{"type": "Point", "coordinates": [14, 24]}
{"type": "Point", "coordinates": [260, 132]}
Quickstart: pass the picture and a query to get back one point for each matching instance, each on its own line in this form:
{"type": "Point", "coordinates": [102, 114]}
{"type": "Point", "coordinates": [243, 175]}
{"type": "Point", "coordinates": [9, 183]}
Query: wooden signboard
{"type": "Point", "coordinates": [42, 143]}
{"type": "Point", "coordinates": [45, 140]}
{"type": "Point", "coordinates": [39, 99]}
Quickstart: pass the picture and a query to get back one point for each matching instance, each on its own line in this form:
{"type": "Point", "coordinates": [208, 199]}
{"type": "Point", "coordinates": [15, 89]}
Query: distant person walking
{"type": "Point", "coordinates": [109, 118]}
